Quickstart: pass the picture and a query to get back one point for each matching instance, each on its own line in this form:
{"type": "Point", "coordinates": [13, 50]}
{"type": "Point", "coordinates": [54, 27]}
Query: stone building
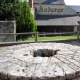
{"type": "Point", "coordinates": [54, 16]}
{"type": "Point", "coordinates": [76, 8]}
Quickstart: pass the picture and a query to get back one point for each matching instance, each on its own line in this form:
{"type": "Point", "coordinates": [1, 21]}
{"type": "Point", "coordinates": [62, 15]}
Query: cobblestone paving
{"type": "Point", "coordinates": [17, 62]}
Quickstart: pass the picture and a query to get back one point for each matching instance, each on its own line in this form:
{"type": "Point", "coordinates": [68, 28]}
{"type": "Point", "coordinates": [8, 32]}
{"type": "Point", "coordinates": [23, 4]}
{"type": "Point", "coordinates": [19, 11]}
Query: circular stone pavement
{"type": "Point", "coordinates": [40, 61]}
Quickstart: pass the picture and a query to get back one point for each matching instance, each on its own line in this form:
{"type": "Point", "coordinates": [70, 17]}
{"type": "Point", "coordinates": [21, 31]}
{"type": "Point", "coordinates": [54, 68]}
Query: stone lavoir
{"type": "Point", "coordinates": [19, 63]}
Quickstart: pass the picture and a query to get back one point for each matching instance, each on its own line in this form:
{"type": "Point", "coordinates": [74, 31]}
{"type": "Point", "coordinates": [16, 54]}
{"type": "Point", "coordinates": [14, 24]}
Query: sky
{"type": "Point", "coordinates": [72, 2]}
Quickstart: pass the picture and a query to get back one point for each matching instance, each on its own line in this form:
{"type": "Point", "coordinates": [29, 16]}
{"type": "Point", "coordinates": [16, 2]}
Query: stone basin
{"type": "Point", "coordinates": [40, 61]}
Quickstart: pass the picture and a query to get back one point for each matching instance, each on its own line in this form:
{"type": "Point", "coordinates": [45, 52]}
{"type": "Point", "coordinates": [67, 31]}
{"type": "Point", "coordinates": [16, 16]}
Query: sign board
{"type": "Point", "coordinates": [49, 9]}
{"type": "Point", "coordinates": [53, 10]}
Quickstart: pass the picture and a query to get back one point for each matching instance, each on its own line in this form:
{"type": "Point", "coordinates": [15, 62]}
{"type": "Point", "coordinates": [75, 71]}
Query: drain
{"type": "Point", "coordinates": [45, 52]}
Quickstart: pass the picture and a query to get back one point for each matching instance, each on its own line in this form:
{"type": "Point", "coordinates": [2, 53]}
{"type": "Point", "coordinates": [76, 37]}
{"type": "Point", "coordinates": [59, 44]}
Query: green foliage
{"type": "Point", "coordinates": [20, 11]}
{"type": "Point", "coordinates": [25, 20]}
{"type": "Point", "coordinates": [8, 9]}
{"type": "Point", "coordinates": [32, 38]}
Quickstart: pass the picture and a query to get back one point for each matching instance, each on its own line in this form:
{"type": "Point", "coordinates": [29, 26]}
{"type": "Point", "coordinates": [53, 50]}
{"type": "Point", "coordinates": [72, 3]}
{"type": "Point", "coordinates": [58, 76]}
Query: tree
{"type": "Point", "coordinates": [19, 11]}
{"type": "Point", "coordinates": [8, 9]}
{"type": "Point", "coordinates": [25, 20]}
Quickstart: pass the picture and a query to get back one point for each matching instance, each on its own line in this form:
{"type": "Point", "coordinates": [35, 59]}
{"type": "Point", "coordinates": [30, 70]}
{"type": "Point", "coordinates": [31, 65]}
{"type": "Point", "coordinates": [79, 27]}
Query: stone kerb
{"type": "Point", "coordinates": [7, 27]}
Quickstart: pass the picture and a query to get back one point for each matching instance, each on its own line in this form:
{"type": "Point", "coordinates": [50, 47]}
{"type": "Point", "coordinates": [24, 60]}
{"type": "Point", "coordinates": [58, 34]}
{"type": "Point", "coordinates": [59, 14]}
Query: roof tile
{"type": "Point", "coordinates": [49, 2]}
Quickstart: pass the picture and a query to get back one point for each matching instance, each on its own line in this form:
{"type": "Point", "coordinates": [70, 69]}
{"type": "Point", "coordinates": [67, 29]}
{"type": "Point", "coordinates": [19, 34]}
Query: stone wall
{"type": "Point", "coordinates": [7, 27]}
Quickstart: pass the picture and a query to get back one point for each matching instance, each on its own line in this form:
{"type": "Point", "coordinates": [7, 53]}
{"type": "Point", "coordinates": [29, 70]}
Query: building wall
{"type": "Point", "coordinates": [75, 28]}
{"type": "Point", "coordinates": [7, 27]}
{"type": "Point", "coordinates": [33, 12]}
{"type": "Point", "coordinates": [48, 9]}
{"type": "Point", "coordinates": [55, 28]}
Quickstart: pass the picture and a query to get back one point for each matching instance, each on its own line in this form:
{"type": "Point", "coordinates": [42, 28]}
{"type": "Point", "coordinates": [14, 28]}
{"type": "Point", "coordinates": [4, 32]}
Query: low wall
{"type": "Point", "coordinates": [7, 27]}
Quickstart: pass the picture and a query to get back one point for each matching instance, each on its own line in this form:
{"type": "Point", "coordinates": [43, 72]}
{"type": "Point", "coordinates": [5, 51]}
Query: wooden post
{"type": "Point", "coordinates": [36, 36]}
{"type": "Point", "coordinates": [15, 30]}
{"type": "Point", "coordinates": [78, 31]}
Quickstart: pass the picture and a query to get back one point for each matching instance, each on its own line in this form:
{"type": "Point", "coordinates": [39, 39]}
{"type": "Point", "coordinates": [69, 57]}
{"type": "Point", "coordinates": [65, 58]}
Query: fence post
{"type": "Point", "coordinates": [15, 30]}
{"type": "Point", "coordinates": [36, 36]}
{"type": "Point", "coordinates": [78, 31]}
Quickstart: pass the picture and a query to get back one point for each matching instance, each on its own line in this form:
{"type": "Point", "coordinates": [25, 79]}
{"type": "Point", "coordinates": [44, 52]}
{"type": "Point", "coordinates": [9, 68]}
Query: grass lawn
{"type": "Point", "coordinates": [50, 38]}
